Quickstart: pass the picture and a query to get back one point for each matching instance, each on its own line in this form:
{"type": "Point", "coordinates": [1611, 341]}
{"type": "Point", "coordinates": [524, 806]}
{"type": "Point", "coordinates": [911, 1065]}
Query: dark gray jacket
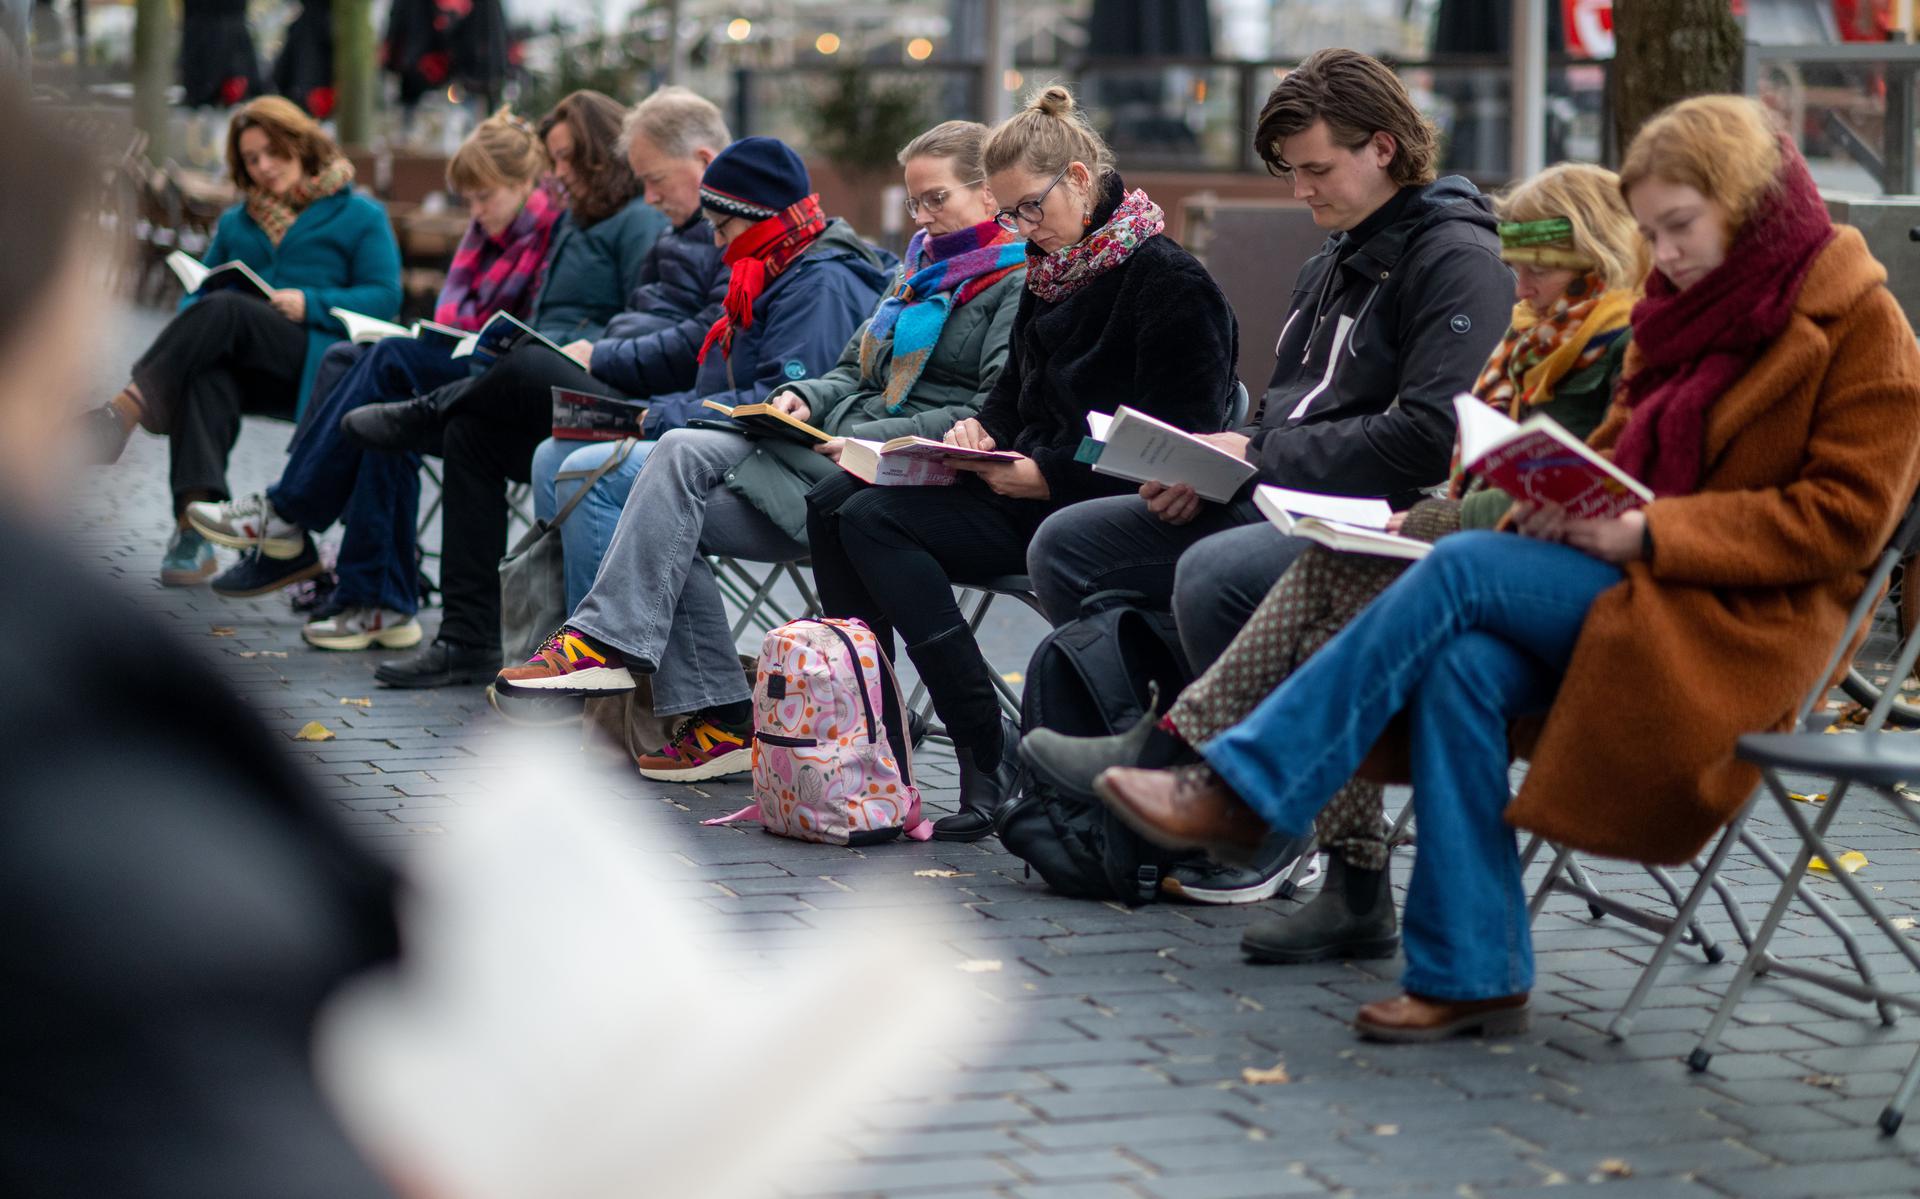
{"type": "Point", "coordinates": [1376, 343]}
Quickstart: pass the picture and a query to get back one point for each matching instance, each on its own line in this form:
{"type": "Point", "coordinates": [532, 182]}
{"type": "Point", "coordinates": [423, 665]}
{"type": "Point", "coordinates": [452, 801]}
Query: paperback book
{"type": "Point", "coordinates": [585, 416]}
{"type": "Point", "coordinates": [365, 329]}
{"type": "Point", "coordinates": [1343, 523]}
{"type": "Point", "coordinates": [197, 276]}
{"type": "Point", "coordinates": [1134, 446]}
{"type": "Point", "coordinates": [1539, 461]}
{"type": "Point", "coordinates": [911, 461]}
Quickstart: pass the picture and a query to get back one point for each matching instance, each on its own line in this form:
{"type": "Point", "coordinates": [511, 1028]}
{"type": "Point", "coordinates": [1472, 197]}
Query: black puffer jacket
{"type": "Point", "coordinates": [1378, 339]}
{"type": "Point", "coordinates": [1154, 333]}
{"type": "Point", "coordinates": [650, 348]}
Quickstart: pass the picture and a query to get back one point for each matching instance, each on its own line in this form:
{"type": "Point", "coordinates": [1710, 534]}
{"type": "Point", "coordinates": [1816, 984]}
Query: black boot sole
{"type": "Point", "coordinates": [425, 682]}
{"type": "Point", "coordinates": [1347, 951]}
{"type": "Point", "coordinates": [982, 835]}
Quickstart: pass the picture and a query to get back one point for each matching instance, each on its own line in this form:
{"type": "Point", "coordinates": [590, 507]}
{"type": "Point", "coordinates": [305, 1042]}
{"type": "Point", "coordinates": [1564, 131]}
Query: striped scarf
{"type": "Point", "coordinates": [756, 259]}
{"type": "Point", "coordinates": [1058, 275]}
{"type": "Point", "coordinates": [499, 274]}
{"type": "Point", "coordinates": [941, 274]}
{"type": "Point", "coordinates": [1540, 349]}
{"type": "Point", "coordinates": [276, 214]}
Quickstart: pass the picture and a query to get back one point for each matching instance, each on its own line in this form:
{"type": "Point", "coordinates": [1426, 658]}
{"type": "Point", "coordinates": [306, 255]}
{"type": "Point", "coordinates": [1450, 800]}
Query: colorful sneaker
{"type": "Point", "coordinates": [363, 628]}
{"type": "Point", "coordinates": [568, 664]}
{"type": "Point", "coordinates": [700, 749]}
{"type": "Point", "coordinates": [188, 561]}
{"type": "Point", "coordinates": [247, 523]}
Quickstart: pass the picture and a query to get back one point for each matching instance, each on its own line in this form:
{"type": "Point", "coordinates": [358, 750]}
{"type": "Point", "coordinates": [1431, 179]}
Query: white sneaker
{"type": "Point", "coordinates": [245, 523]}
{"type": "Point", "coordinates": [363, 628]}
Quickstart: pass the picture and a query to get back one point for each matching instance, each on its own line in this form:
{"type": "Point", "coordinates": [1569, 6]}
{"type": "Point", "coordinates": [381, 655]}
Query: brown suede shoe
{"type": "Point", "coordinates": [1187, 807]}
{"type": "Point", "coordinates": [1409, 1018]}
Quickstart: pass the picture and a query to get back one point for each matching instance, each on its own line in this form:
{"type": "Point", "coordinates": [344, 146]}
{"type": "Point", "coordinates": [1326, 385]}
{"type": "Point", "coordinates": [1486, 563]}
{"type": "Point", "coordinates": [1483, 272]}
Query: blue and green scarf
{"type": "Point", "coordinates": [941, 274]}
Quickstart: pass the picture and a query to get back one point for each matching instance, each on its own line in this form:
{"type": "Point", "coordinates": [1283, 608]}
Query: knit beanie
{"type": "Point", "coordinates": [755, 178]}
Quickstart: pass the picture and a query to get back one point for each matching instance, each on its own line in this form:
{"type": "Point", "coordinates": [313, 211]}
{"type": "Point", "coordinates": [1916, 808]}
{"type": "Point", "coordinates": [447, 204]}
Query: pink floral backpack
{"type": "Point", "coordinates": [823, 769]}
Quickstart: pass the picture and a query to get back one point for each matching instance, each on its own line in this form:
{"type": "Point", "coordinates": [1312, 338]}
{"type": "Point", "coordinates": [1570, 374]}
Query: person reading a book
{"type": "Point", "coordinates": [1112, 308]}
{"type": "Point", "coordinates": [1387, 323]}
{"type": "Point", "coordinates": [925, 359]}
{"type": "Point", "coordinates": [1771, 403]}
{"type": "Point", "coordinates": [497, 267]}
{"type": "Point", "coordinates": [1577, 261]}
{"type": "Point", "coordinates": [318, 244]}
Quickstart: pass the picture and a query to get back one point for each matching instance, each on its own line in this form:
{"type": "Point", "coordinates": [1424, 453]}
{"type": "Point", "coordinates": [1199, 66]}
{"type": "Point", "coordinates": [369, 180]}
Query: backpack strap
{"type": "Point", "coordinates": [592, 477]}
{"type": "Point", "coordinates": [750, 813]}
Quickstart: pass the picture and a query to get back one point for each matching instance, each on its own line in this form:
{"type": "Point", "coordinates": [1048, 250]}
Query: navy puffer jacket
{"type": "Point", "coordinates": [650, 348]}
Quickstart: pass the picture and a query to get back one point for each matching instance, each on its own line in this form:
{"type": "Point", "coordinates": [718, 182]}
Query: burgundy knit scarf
{"type": "Point", "coordinates": [1695, 344]}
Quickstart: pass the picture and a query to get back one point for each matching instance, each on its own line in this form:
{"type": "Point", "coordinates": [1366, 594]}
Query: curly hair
{"type": "Point", "coordinates": [607, 183]}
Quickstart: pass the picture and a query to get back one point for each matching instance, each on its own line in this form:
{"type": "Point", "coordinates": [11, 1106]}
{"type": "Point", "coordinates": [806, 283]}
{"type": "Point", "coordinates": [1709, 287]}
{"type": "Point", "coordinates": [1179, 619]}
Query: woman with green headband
{"type": "Point", "coordinates": [1577, 264]}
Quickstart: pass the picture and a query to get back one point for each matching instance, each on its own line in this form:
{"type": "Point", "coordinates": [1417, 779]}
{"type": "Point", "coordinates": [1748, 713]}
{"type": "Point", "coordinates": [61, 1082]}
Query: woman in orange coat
{"type": "Point", "coordinates": [1771, 401]}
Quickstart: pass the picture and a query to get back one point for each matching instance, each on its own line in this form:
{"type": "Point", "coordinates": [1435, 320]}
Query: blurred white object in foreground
{"type": "Point", "coordinates": [556, 1033]}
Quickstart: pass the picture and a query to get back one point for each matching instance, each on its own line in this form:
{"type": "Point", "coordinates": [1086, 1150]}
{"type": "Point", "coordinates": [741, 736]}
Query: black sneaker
{"type": "Point", "coordinates": [1200, 879]}
{"type": "Point", "coordinates": [415, 424]}
{"type": "Point", "coordinates": [440, 665]}
{"type": "Point", "coordinates": [257, 574]}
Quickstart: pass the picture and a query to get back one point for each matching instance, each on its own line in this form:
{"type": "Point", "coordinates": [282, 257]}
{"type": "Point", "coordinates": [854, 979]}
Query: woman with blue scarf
{"type": "Point", "coordinates": [924, 361]}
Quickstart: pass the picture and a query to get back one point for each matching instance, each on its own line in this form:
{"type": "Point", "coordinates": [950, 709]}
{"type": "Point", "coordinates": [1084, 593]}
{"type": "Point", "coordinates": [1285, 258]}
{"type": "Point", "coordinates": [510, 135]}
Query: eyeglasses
{"type": "Point", "coordinates": [936, 199]}
{"type": "Point", "coordinates": [1031, 211]}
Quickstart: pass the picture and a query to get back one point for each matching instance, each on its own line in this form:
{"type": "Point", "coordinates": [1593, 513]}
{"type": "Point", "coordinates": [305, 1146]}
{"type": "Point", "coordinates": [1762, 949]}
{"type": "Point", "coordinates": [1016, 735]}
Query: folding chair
{"type": "Point", "coordinates": [754, 594]}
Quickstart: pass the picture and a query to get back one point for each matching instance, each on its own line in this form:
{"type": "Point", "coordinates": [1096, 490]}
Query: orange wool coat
{"type": "Point", "coordinates": [1811, 459]}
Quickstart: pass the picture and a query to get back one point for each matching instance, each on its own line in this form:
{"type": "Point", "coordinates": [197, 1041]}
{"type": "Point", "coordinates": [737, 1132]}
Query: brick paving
{"type": "Point", "coordinates": [1112, 1067]}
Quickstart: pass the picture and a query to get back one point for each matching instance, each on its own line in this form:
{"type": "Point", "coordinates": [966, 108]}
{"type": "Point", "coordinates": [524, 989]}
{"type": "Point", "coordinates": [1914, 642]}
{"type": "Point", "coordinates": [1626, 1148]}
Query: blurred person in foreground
{"type": "Point", "coordinates": [177, 902]}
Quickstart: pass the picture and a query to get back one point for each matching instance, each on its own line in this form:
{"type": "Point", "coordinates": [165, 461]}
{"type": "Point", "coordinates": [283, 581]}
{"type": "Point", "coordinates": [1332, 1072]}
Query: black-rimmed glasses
{"type": "Point", "coordinates": [933, 201]}
{"type": "Point", "coordinates": [1031, 211]}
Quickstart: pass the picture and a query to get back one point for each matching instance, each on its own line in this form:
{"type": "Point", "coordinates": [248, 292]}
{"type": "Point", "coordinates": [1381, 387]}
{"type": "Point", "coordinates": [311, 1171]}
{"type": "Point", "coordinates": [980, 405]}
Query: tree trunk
{"type": "Point", "coordinates": [1667, 50]}
{"type": "Point", "coordinates": [152, 71]}
{"type": "Point", "coordinates": [353, 72]}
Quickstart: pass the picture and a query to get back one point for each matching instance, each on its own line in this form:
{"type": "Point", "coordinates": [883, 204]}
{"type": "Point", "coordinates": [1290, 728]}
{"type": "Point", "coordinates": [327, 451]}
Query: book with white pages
{"type": "Point", "coordinates": [1539, 461]}
{"type": "Point", "coordinates": [362, 328]}
{"type": "Point", "coordinates": [502, 333]}
{"type": "Point", "coordinates": [197, 276]}
{"type": "Point", "coordinates": [1343, 523]}
{"type": "Point", "coordinates": [1142, 449]}
{"type": "Point", "coordinates": [911, 461]}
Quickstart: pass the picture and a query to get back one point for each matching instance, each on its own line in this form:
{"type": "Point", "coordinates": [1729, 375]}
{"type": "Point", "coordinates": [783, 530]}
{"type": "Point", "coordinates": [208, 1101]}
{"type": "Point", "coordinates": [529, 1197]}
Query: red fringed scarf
{"type": "Point", "coordinates": [756, 259]}
{"type": "Point", "coordinates": [1694, 344]}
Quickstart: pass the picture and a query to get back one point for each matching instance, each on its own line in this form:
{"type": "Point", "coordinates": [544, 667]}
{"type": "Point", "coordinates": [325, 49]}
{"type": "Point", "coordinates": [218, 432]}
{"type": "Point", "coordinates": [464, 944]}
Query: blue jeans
{"type": "Point", "coordinates": [589, 528]}
{"type": "Point", "coordinates": [328, 477]}
{"type": "Point", "coordinates": [1477, 633]}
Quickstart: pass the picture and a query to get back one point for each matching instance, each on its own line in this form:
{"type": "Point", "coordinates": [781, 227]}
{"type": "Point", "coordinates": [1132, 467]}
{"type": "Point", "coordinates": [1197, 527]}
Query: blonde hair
{"type": "Point", "coordinates": [291, 133]}
{"type": "Point", "coordinates": [962, 141]}
{"type": "Point", "coordinates": [1589, 198]}
{"type": "Point", "coordinates": [1724, 147]}
{"type": "Point", "coordinates": [503, 152]}
{"type": "Point", "coordinates": [1049, 132]}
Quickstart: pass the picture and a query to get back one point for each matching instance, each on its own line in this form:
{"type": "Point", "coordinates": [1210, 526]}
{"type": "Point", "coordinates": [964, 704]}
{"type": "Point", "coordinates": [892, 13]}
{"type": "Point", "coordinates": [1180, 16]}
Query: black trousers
{"type": "Point", "coordinates": [230, 355]}
{"type": "Point", "coordinates": [495, 421]}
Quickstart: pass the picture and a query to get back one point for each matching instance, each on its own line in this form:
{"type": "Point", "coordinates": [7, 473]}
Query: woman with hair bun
{"type": "Point", "coordinates": [1114, 312]}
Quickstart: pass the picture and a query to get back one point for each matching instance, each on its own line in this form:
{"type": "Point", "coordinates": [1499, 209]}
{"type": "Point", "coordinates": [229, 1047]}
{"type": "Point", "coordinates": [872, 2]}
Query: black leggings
{"type": "Point", "coordinates": [228, 355]}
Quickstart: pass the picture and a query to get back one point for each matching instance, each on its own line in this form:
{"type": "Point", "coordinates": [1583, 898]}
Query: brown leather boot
{"type": "Point", "coordinates": [1410, 1018]}
{"type": "Point", "coordinates": [1188, 807]}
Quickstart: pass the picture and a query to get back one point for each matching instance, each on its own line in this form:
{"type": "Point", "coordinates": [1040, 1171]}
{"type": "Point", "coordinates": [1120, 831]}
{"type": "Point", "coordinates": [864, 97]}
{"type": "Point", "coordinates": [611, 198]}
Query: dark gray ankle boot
{"type": "Point", "coordinates": [1070, 763]}
{"type": "Point", "coordinates": [1351, 917]}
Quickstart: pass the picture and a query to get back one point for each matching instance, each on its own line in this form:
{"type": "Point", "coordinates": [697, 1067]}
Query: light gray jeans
{"type": "Point", "coordinates": [654, 598]}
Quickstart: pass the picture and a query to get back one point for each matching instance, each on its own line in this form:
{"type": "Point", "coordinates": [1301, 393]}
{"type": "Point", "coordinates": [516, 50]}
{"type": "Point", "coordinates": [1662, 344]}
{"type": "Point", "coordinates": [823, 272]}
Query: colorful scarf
{"type": "Point", "coordinates": [756, 259]}
{"type": "Point", "coordinates": [941, 274]}
{"type": "Point", "coordinates": [276, 214]}
{"type": "Point", "coordinates": [499, 274]}
{"type": "Point", "coordinates": [1540, 349]}
{"type": "Point", "coordinates": [1695, 344]}
{"type": "Point", "coordinates": [1058, 275]}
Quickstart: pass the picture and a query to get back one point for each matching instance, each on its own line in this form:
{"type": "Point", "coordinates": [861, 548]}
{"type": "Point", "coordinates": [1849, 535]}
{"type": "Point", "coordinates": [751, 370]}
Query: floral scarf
{"type": "Point", "coordinates": [941, 274]}
{"type": "Point", "coordinates": [1539, 349]}
{"type": "Point", "coordinates": [756, 259]}
{"type": "Point", "coordinates": [276, 214]}
{"type": "Point", "coordinates": [1058, 275]}
{"type": "Point", "coordinates": [499, 274]}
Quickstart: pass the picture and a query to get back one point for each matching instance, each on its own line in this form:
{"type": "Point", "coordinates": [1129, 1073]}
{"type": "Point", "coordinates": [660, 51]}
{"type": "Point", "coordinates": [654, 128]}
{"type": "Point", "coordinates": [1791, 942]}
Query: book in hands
{"type": "Point", "coordinates": [585, 416]}
{"type": "Point", "coordinates": [1343, 523]}
{"type": "Point", "coordinates": [197, 277]}
{"type": "Point", "coordinates": [1537, 460]}
{"type": "Point", "coordinates": [503, 333]}
{"type": "Point", "coordinates": [1134, 446]}
{"type": "Point", "coordinates": [911, 461]}
{"type": "Point", "coordinates": [764, 420]}
{"type": "Point", "coordinates": [364, 329]}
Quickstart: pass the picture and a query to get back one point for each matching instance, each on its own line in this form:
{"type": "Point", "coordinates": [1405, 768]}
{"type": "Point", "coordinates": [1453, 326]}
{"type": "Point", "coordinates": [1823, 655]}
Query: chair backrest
{"type": "Point", "coordinates": [1237, 405]}
{"type": "Point", "coordinates": [1904, 543]}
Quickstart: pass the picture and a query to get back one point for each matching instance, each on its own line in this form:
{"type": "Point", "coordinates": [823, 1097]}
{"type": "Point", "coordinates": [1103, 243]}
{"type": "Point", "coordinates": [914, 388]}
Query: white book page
{"type": "Point", "coordinates": [1098, 423]}
{"type": "Point", "coordinates": [1340, 509]}
{"type": "Point", "coordinates": [190, 270]}
{"type": "Point", "coordinates": [362, 328]}
{"type": "Point", "coordinates": [1146, 450]}
{"type": "Point", "coordinates": [1482, 429]}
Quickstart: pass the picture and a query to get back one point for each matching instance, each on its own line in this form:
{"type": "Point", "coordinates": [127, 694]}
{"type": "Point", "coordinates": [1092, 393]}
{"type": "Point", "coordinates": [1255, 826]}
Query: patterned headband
{"type": "Point", "coordinates": [1547, 243]}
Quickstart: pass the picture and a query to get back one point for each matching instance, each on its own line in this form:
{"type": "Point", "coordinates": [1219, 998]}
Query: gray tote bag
{"type": "Point", "coordinates": [533, 584]}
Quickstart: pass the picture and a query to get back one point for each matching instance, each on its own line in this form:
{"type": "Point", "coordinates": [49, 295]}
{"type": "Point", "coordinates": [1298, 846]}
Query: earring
{"type": "Point", "coordinates": [1086, 220]}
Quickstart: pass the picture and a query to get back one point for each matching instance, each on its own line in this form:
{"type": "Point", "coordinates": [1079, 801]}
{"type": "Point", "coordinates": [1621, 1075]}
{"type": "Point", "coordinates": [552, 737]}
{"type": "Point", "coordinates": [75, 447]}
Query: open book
{"type": "Point", "coordinates": [1352, 526]}
{"type": "Point", "coordinates": [1132, 445]}
{"type": "Point", "coordinates": [364, 328]}
{"type": "Point", "coordinates": [197, 276]}
{"type": "Point", "coordinates": [1539, 461]}
{"type": "Point", "coordinates": [502, 332]}
{"type": "Point", "coordinates": [764, 420]}
{"type": "Point", "coordinates": [585, 416]}
{"type": "Point", "coordinates": [911, 461]}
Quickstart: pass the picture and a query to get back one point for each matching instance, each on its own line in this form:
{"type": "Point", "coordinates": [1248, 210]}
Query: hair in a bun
{"type": "Point", "coordinates": [1048, 132]}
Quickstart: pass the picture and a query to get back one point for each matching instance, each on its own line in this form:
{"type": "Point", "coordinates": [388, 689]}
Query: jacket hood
{"type": "Point", "coordinates": [1446, 200]}
{"type": "Point", "coordinates": [873, 267]}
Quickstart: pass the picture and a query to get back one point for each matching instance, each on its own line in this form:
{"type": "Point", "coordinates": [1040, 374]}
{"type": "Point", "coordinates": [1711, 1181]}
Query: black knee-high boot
{"type": "Point", "coordinates": [961, 682]}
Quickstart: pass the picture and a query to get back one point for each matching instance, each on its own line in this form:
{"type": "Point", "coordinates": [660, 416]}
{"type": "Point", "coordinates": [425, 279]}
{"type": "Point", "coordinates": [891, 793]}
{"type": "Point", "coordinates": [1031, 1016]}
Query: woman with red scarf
{"type": "Point", "coordinates": [1771, 401]}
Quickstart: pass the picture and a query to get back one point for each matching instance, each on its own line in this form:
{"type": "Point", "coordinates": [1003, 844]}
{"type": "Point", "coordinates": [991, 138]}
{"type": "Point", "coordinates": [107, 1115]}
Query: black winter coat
{"type": "Point", "coordinates": [1374, 348]}
{"type": "Point", "coordinates": [650, 348]}
{"type": "Point", "coordinates": [1154, 333]}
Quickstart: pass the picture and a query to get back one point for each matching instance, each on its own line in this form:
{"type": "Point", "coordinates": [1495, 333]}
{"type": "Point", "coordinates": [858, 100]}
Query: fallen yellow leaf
{"type": "Point", "coordinates": [224, 630]}
{"type": "Point", "coordinates": [1808, 796]}
{"type": "Point", "coordinates": [263, 653]}
{"type": "Point", "coordinates": [1386, 1130]}
{"type": "Point", "coordinates": [927, 873]}
{"type": "Point", "coordinates": [1012, 676]}
{"type": "Point", "coordinates": [979, 966]}
{"type": "Point", "coordinates": [1826, 1082]}
{"type": "Point", "coordinates": [313, 730]}
{"type": "Point", "coordinates": [1274, 1077]}
{"type": "Point", "coordinates": [1614, 1167]}
{"type": "Point", "coordinates": [1902, 923]}
{"type": "Point", "coordinates": [358, 703]}
{"type": "Point", "coordinates": [1850, 861]}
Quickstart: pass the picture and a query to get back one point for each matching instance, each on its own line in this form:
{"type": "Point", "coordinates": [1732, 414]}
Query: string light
{"type": "Point", "coordinates": [827, 43]}
{"type": "Point", "coordinates": [739, 28]}
{"type": "Point", "coordinates": [919, 49]}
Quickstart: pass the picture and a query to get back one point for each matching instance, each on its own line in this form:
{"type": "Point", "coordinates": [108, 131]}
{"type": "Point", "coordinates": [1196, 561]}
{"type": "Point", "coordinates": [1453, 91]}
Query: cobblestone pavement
{"type": "Point", "coordinates": [1113, 1063]}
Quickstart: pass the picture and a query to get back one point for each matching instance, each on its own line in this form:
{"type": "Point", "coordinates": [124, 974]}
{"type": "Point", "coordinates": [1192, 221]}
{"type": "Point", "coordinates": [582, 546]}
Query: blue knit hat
{"type": "Point", "coordinates": [755, 178]}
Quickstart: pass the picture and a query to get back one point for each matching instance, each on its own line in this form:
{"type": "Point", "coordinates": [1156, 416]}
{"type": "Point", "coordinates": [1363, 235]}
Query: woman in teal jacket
{"type": "Point", "coordinates": [319, 245]}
